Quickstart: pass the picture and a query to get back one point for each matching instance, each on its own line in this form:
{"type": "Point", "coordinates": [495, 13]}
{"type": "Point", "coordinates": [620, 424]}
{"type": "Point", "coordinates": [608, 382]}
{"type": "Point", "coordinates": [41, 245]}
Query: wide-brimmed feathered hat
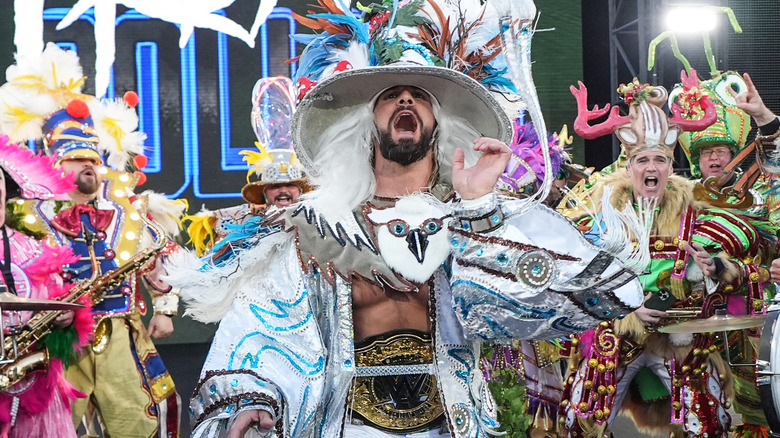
{"type": "Point", "coordinates": [277, 166]}
{"type": "Point", "coordinates": [452, 50]}
{"type": "Point", "coordinates": [337, 95]}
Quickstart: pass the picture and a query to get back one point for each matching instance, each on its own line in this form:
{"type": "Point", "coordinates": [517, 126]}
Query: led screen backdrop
{"type": "Point", "coordinates": [194, 102]}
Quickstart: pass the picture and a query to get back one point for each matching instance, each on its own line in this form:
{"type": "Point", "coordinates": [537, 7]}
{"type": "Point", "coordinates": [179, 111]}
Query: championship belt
{"type": "Point", "coordinates": [394, 389]}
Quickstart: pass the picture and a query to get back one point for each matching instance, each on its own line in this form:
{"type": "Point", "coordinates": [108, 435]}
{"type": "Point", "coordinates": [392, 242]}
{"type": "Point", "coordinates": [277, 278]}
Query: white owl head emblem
{"type": "Point", "coordinates": [412, 235]}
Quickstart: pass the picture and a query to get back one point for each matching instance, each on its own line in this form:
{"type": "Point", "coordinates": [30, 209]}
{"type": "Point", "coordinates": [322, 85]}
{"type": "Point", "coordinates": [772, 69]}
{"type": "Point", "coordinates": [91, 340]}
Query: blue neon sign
{"type": "Point", "coordinates": [174, 107]}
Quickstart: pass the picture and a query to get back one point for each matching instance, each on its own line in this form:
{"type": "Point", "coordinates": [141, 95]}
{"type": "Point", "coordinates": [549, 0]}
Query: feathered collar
{"type": "Point", "coordinates": [345, 246]}
{"type": "Point", "coordinates": [677, 197]}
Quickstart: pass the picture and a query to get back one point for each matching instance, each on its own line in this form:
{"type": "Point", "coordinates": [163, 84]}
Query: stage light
{"type": "Point", "coordinates": [691, 19]}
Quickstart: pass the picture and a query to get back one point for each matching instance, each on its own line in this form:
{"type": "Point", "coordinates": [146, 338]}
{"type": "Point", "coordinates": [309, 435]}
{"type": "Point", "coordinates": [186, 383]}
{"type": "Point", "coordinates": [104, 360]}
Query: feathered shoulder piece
{"type": "Point", "coordinates": [34, 174]}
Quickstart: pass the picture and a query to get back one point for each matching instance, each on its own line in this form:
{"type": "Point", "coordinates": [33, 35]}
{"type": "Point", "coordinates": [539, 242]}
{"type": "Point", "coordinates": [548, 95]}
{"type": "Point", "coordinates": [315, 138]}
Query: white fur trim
{"type": "Point", "coordinates": [680, 339]}
{"type": "Point", "coordinates": [208, 290]}
{"type": "Point", "coordinates": [694, 273]}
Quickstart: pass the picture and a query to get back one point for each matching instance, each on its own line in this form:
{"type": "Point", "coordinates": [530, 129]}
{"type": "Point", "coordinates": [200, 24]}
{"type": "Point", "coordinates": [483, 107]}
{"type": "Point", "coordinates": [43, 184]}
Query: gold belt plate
{"type": "Point", "coordinates": [396, 403]}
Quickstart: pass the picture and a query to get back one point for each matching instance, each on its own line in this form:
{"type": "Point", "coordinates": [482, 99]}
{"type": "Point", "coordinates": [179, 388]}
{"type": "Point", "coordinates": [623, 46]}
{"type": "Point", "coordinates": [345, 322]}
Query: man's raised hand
{"type": "Point", "coordinates": [479, 180]}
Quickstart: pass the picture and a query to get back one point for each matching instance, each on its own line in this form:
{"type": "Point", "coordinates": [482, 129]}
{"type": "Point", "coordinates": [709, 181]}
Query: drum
{"type": "Point", "coordinates": [768, 372]}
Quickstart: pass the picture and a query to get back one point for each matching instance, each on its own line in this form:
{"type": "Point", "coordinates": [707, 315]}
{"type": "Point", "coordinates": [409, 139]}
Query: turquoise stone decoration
{"type": "Point", "coordinates": [536, 269]}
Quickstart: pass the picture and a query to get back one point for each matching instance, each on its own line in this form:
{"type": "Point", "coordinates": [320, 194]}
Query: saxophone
{"type": "Point", "coordinates": [22, 344]}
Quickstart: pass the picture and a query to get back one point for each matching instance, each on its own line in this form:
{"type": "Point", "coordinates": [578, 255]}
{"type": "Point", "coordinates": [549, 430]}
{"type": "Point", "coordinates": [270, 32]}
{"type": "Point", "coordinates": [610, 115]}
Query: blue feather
{"type": "Point", "coordinates": [500, 82]}
{"type": "Point", "coordinates": [357, 27]}
{"type": "Point", "coordinates": [239, 238]}
{"type": "Point", "coordinates": [496, 77]}
{"type": "Point", "coordinates": [317, 55]}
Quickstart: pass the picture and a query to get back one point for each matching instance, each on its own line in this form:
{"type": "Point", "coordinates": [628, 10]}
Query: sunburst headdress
{"type": "Point", "coordinates": [42, 99]}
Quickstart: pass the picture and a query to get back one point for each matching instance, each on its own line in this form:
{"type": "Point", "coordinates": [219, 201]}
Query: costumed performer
{"type": "Point", "coordinates": [710, 151]}
{"type": "Point", "coordinates": [364, 313]}
{"type": "Point", "coordinates": [127, 384]}
{"type": "Point", "coordinates": [681, 376]}
{"type": "Point", "coordinates": [34, 395]}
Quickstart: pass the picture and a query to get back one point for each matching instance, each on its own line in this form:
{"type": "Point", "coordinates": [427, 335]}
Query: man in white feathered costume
{"type": "Point", "coordinates": [122, 375]}
{"type": "Point", "coordinates": [360, 311]}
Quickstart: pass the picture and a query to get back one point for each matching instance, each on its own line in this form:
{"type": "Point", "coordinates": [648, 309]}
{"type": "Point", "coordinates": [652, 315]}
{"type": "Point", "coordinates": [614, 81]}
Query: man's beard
{"type": "Point", "coordinates": [406, 151]}
{"type": "Point", "coordinates": [282, 194]}
{"type": "Point", "coordinates": [87, 186]}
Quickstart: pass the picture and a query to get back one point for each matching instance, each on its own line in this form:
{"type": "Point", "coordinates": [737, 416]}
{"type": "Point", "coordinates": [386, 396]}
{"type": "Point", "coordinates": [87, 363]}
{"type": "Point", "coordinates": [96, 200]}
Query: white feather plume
{"type": "Point", "coordinates": [36, 106]}
{"type": "Point", "coordinates": [52, 69]}
{"type": "Point", "coordinates": [621, 227]}
{"type": "Point", "coordinates": [37, 85]}
{"type": "Point", "coordinates": [485, 30]}
{"type": "Point", "coordinates": [164, 211]}
{"type": "Point", "coordinates": [115, 125]}
{"type": "Point", "coordinates": [208, 291]}
{"type": "Point", "coordinates": [356, 54]}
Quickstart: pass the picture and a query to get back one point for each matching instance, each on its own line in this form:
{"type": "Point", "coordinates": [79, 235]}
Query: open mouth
{"type": "Point", "coordinates": [716, 167]}
{"type": "Point", "coordinates": [651, 182]}
{"type": "Point", "coordinates": [405, 123]}
{"type": "Point", "coordinates": [283, 200]}
{"type": "Point", "coordinates": [88, 172]}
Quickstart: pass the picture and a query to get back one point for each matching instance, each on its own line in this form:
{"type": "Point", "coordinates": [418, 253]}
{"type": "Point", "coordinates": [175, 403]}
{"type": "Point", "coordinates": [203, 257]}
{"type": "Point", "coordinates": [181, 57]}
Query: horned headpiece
{"type": "Point", "coordinates": [647, 126]}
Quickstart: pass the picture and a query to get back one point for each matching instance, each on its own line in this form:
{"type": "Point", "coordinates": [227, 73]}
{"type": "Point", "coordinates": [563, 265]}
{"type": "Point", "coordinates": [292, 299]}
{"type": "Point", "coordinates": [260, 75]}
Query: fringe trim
{"type": "Point", "coordinates": [208, 290]}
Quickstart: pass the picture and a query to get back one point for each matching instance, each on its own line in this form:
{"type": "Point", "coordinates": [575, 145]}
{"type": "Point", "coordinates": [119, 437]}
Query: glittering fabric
{"type": "Point", "coordinates": [285, 340]}
{"type": "Point", "coordinates": [43, 397]}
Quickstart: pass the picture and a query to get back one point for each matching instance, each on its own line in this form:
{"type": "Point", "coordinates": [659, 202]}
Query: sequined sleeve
{"type": "Point", "coordinates": [531, 274]}
{"type": "Point", "coordinates": [267, 353]}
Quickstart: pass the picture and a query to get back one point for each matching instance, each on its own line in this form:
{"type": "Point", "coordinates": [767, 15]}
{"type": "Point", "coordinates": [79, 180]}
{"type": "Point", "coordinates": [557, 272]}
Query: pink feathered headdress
{"type": "Point", "coordinates": [35, 174]}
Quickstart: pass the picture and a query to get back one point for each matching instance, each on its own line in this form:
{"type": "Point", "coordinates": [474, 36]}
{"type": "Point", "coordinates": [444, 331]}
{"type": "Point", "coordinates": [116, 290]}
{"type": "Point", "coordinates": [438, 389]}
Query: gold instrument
{"type": "Point", "coordinates": [19, 346]}
{"type": "Point", "coordinates": [716, 323]}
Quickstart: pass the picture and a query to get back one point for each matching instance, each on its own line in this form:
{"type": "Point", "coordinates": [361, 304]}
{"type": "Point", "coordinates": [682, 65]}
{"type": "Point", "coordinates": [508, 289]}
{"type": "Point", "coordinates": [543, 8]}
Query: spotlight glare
{"type": "Point", "coordinates": [691, 20]}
